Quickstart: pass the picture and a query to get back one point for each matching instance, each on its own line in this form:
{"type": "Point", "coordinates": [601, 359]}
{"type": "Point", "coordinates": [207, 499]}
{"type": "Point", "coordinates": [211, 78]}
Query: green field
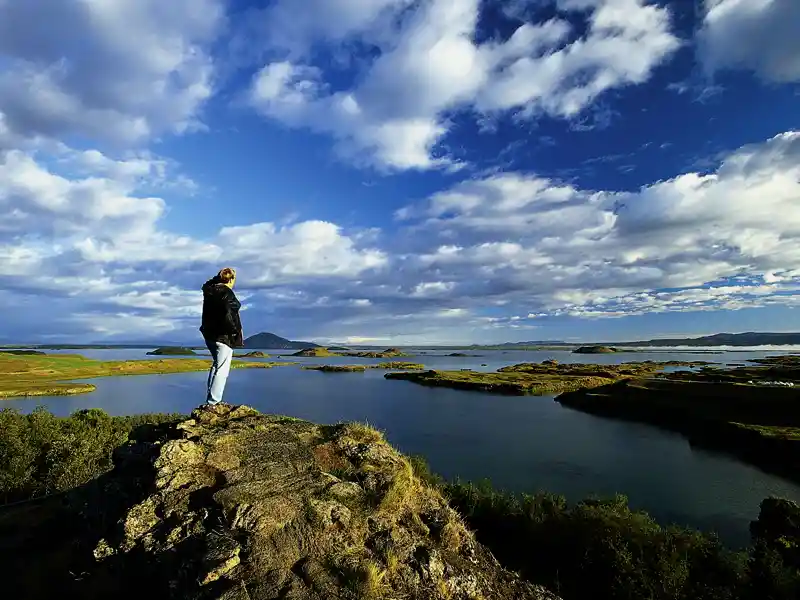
{"type": "Point", "coordinates": [54, 374]}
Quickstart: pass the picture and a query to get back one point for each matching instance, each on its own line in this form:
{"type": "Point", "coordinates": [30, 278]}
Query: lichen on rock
{"type": "Point", "coordinates": [252, 506]}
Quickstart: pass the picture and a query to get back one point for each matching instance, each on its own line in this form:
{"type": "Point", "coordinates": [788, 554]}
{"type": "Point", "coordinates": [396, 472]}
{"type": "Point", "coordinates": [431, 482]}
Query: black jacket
{"type": "Point", "coordinates": [221, 314]}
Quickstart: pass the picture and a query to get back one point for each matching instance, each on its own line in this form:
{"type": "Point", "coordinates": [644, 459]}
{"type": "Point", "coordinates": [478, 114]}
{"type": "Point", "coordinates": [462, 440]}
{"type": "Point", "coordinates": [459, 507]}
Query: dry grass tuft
{"type": "Point", "coordinates": [371, 584]}
{"type": "Point", "coordinates": [392, 562]}
{"type": "Point", "coordinates": [329, 458]}
{"type": "Point", "coordinates": [363, 433]}
{"type": "Point", "coordinates": [444, 590]}
{"type": "Point", "coordinates": [401, 489]}
{"type": "Point", "coordinates": [451, 535]}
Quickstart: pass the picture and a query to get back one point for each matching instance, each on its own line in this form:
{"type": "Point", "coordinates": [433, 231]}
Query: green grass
{"type": "Point", "coordinates": [786, 433]}
{"type": "Point", "coordinates": [315, 352]}
{"type": "Point", "coordinates": [518, 383]}
{"type": "Point", "coordinates": [399, 364]}
{"type": "Point", "coordinates": [50, 374]}
{"type": "Point", "coordinates": [534, 378]}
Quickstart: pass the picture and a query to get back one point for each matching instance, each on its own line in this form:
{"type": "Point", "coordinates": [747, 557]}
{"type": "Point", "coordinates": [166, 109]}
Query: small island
{"type": "Point", "coordinates": [336, 368]}
{"type": "Point", "coordinates": [594, 350]}
{"type": "Point", "coordinates": [254, 354]}
{"type": "Point", "coordinates": [315, 353]}
{"type": "Point", "coordinates": [388, 353]}
{"type": "Point", "coordinates": [172, 351]}
{"type": "Point", "coordinates": [328, 352]}
{"type": "Point", "coordinates": [535, 379]}
{"type": "Point", "coordinates": [399, 364]}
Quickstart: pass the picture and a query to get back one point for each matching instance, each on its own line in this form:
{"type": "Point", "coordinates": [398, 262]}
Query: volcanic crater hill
{"type": "Point", "coordinates": [234, 504]}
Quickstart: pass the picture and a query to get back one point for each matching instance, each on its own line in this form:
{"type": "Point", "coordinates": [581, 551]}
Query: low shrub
{"type": "Point", "coordinates": [41, 454]}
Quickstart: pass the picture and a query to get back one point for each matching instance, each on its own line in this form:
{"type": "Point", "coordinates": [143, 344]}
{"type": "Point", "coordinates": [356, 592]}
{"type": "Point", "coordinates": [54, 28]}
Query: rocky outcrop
{"type": "Point", "coordinates": [239, 505]}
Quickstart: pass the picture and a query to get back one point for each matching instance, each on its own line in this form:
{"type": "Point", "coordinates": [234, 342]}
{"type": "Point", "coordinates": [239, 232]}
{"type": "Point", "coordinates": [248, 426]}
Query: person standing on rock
{"type": "Point", "coordinates": [221, 329]}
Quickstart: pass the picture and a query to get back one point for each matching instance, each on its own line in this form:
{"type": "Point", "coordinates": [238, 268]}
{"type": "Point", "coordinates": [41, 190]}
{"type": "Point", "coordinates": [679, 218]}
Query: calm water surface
{"type": "Point", "coordinates": [520, 443]}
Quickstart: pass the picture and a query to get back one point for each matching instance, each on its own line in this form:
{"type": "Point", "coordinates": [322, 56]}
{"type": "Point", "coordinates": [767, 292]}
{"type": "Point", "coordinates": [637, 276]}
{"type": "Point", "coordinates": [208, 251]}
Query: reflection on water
{"type": "Point", "coordinates": [520, 443]}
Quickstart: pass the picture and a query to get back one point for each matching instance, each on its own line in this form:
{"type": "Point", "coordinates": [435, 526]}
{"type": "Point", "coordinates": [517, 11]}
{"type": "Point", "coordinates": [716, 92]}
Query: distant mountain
{"type": "Point", "coordinates": [269, 341]}
{"type": "Point", "coordinates": [725, 339]}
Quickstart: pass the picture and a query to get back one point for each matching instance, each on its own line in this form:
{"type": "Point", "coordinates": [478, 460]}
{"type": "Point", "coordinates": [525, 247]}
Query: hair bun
{"type": "Point", "coordinates": [227, 275]}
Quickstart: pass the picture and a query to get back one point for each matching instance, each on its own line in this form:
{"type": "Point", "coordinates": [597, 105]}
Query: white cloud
{"type": "Point", "coordinates": [44, 203]}
{"type": "Point", "coordinates": [543, 245]}
{"type": "Point", "coordinates": [758, 35]}
{"type": "Point", "coordinates": [295, 30]}
{"type": "Point", "coordinates": [309, 248]}
{"type": "Point", "coordinates": [396, 115]}
{"type": "Point", "coordinates": [714, 298]}
{"type": "Point", "coordinates": [91, 246]}
{"type": "Point", "coordinates": [125, 70]}
{"type": "Point", "coordinates": [95, 239]}
{"type": "Point", "coordinates": [428, 289]}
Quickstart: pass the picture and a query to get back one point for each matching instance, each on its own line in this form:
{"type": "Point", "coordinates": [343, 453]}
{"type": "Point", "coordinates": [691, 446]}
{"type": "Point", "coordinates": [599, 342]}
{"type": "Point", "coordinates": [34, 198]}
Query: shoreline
{"type": "Point", "coordinates": [769, 442]}
{"type": "Point", "coordinates": [24, 376]}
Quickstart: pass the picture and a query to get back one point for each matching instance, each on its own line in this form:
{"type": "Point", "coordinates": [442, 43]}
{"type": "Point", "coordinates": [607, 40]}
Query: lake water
{"type": "Point", "coordinates": [522, 444]}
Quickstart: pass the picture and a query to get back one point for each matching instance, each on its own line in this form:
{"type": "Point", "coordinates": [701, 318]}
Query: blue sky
{"type": "Point", "coordinates": [400, 171]}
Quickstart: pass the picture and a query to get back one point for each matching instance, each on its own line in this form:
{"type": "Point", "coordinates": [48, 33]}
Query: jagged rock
{"type": "Point", "coordinates": [234, 504]}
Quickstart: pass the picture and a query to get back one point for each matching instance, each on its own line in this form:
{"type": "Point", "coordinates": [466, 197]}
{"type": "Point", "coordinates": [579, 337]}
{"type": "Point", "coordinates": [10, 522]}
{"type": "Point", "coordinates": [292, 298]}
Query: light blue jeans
{"type": "Point", "coordinates": [218, 374]}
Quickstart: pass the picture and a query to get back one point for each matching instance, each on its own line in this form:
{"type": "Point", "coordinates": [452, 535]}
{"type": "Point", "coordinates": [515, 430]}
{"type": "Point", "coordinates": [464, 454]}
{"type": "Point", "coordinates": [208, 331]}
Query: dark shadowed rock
{"type": "Point", "coordinates": [237, 505]}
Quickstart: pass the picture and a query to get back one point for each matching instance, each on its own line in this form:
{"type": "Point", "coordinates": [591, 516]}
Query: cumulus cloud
{"type": "Point", "coordinates": [38, 201]}
{"type": "Point", "coordinates": [97, 240]}
{"type": "Point", "coordinates": [396, 115]}
{"type": "Point", "coordinates": [558, 248]}
{"type": "Point", "coordinates": [758, 35]}
{"type": "Point", "coordinates": [91, 251]}
{"type": "Point", "coordinates": [122, 71]}
{"type": "Point", "coordinates": [84, 244]}
{"type": "Point", "coordinates": [327, 21]}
